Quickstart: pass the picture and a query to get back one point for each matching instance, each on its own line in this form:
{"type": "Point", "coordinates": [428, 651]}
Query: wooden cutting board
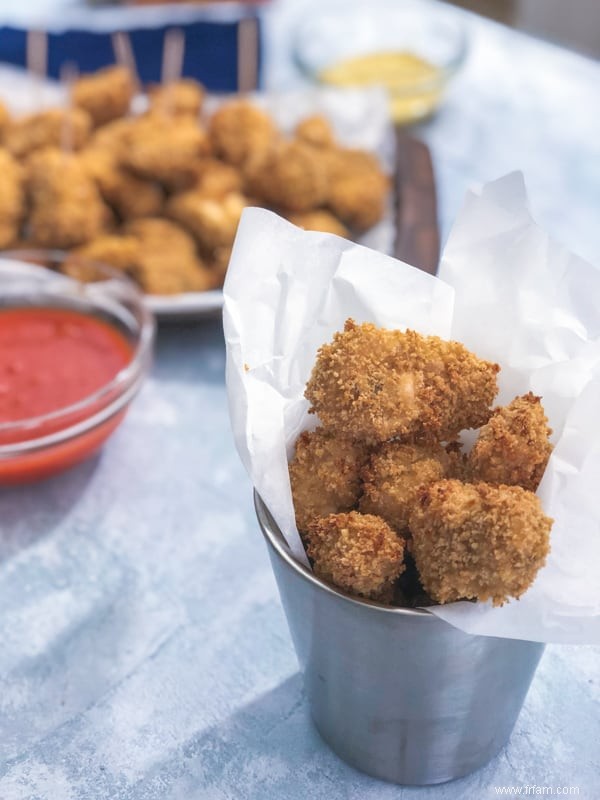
{"type": "Point", "coordinates": [418, 236]}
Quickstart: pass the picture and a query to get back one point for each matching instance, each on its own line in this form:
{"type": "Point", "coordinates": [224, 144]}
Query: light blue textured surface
{"type": "Point", "coordinates": [145, 655]}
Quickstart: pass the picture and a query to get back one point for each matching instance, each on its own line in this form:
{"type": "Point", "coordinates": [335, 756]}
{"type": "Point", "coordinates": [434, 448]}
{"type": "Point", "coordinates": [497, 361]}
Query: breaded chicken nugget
{"type": "Point", "coordinates": [513, 447]}
{"type": "Point", "coordinates": [213, 221]}
{"type": "Point", "coordinates": [131, 197]}
{"type": "Point", "coordinates": [478, 541]}
{"type": "Point", "coordinates": [239, 130]}
{"type": "Point", "coordinates": [168, 261]}
{"type": "Point", "coordinates": [216, 179]}
{"type": "Point", "coordinates": [357, 187]}
{"type": "Point", "coordinates": [375, 384]}
{"type": "Point", "coordinates": [320, 220]}
{"type": "Point", "coordinates": [4, 120]}
{"type": "Point", "coordinates": [119, 252]}
{"type": "Point", "coordinates": [105, 95]}
{"type": "Point", "coordinates": [359, 553]}
{"type": "Point", "coordinates": [324, 475]}
{"type": "Point", "coordinates": [393, 476]}
{"type": "Point", "coordinates": [157, 149]}
{"type": "Point", "coordinates": [289, 175]}
{"type": "Point", "coordinates": [12, 199]}
{"type": "Point", "coordinates": [48, 129]}
{"type": "Point", "coordinates": [66, 207]}
{"type": "Point", "coordinates": [179, 98]}
{"type": "Point", "coordinates": [316, 131]}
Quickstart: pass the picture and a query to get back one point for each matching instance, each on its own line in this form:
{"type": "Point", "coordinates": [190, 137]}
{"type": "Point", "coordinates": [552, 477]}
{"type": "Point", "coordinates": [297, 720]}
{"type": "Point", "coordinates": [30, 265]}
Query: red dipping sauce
{"type": "Point", "coordinates": [56, 369]}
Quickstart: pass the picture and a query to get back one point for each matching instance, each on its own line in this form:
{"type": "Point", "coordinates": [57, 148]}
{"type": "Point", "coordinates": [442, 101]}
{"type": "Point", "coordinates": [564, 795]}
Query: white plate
{"type": "Point", "coordinates": [193, 305]}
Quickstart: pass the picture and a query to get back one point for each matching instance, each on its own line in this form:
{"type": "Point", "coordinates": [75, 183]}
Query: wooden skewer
{"type": "Point", "coordinates": [247, 53]}
{"type": "Point", "coordinates": [124, 55]}
{"type": "Point", "coordinates": [37, 62]}
{"type": "Point", "coordinates": [68, 76]}
{"type": "Point", "coordinates": [172, 64]}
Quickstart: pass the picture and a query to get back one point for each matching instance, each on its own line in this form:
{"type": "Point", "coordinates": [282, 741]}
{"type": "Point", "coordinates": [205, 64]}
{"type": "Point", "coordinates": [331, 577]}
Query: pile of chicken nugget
{"type": "Point", "coordinates": [388, 505]}
{"type": "Point", "coordinates": [159, 195]}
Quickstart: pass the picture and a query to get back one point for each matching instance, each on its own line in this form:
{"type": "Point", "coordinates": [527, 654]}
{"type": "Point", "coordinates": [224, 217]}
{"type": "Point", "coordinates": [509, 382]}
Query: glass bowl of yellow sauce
{"type": "Point", "coordinates": [411, 47]}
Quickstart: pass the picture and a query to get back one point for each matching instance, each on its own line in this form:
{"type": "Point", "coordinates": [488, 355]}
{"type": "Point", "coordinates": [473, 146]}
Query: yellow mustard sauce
{"type": "Point", "coordinates": [415, 85]}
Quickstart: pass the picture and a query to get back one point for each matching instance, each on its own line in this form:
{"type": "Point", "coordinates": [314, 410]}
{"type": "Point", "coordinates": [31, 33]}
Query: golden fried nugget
{"type": "Point", "coordinates": [357, 188]}
{"type": "Point", "coordinates": [157, 149]}
{"type": "Point", "coordinates": [119, 252]}
{"type": "Point", "coordinates": [360, 553]}
{"type": "Point", "coordinates": [320, 220]}
{"type": "Point", "coordinates": [115, 135]}
{"type": "Point", "coordinates": [216, 179]}
{"type": "Point", "coordinates": [289, 176]}
{"type": "Point", "coordinates": [513, 447]}
{"type": "Point", "coordinates": [324, 475]}
{"type": "Point", "coordinates": [213, 221]}
{"type": "Point", "coordinates": [66, 207]}
{"type": "Point", "coordinates": [393, 476]}
{"type": "Point", "coordinates": [478, 541]}
{"type": "Point", "coordinates": [316, 131]}
{"type": "Point", "coordinates": [179, 98]}
{"type": "Point", "coordinates": [168, 261]}
{"type": "Point", "coordinates": [5, 118]}
{"type": "Point", "coordinates": [375, 384]}
{"type": "Point", "coordinates": [105, 95]}
{"type": "Point", "coordinates": [12, 199]}
{"type": "Point", "coordinates": [131, 197]}
{"type": "Point", "coordinates": [239, 130]}
{"type": "Point", "coordinates": [51, 128]}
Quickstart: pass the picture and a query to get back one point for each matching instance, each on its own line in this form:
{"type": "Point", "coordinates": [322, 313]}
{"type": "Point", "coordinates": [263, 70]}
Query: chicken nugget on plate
{"type": "Point", "coordinates": [315, 130]}
{"type": "Point", "coordinates": [105, 95]}
{"type": "Point", "coordinates": [50, 128]}
{"type": "Point", "coordinates": [12, 198]}
{"type": "Point", "coordinates": [178, 98]}
{"type": "Point", "coordinates": [239, 130]}
{"type": "Point", "coordinates": [320, 220]}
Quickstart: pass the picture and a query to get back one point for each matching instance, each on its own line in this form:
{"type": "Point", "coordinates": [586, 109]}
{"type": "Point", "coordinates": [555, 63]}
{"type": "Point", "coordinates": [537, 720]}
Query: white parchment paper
{"type": "Point", "coordinates": [505, 290]}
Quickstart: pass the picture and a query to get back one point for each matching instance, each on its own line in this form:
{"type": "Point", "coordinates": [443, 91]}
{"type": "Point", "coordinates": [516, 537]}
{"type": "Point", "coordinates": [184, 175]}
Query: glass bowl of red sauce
{"type": "Point", "coordinates": [75, 345]}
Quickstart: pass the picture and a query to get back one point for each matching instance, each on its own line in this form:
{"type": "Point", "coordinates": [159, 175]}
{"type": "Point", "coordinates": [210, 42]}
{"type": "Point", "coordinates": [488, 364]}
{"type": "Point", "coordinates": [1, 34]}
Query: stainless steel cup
{"type": "Point", "coordinates": [398, 693]}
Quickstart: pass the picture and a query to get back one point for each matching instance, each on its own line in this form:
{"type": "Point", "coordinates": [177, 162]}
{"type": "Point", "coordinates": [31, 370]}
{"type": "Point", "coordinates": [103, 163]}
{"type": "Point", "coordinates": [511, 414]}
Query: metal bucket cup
{"type": "Point", "coordinates": [398, 693]}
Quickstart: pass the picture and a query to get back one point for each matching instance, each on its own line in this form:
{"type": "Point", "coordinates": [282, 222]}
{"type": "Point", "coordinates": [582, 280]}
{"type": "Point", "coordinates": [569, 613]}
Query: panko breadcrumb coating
{"type": "Point", "coordinates": [320, 220]}
{"type": "Point", "coordinates": [289, 176]}
{"type": "Point", "coordinates": [375, 384]}
{"type": "Point", "coordinates": [12, 199]}
{"type": "Point", "coordinates": [179, 98]}
{"type": "Point", "coordinates": [216, 179]}
{"type": "Point", "coordinates": [119, 252]}
{"type": "Point", "coordinates": [4, 120]}
{"type": "Point", "coordinates": [360, 553]}
{"type": "Point", "coordinates": [393, 476]}
{"type": "Point", "coordinates": [478, 541]}
{"type": "Point", "coordinates": [513, 447]}
{"type": "Point", "coordinates": [157, 149]}
{"type": "Point", "coordinates": [66, 207]}
{"type": "Point", "coordinates": [168, 261]}
{"type": "Point", "coordinates": [316, 131]}
{"type": "Point", "coordinates": [48, 128]}
{"type": "Point", "coordinates": [213, 221]}
{"type": "Point", "coordinates": [131, 197]}
{"type": "Point", "coordinates": [324, 475]}
{"type": "Point", "coordinates": [357, 188]}
{"type": "Point", "coordinates": [239, 130]}
{"type": "Point", "coordinates": [105, 95]}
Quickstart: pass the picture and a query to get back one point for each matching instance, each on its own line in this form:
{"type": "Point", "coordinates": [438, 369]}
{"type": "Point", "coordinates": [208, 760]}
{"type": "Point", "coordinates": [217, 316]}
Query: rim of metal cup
{"type": "Point", "coordinates": [274, 537]}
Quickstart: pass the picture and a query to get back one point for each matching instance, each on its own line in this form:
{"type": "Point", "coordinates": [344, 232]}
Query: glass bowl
{"type": "Point", "coordinates": [412, 48]}
{"type": "Point", "coordinates": [38, 447]}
